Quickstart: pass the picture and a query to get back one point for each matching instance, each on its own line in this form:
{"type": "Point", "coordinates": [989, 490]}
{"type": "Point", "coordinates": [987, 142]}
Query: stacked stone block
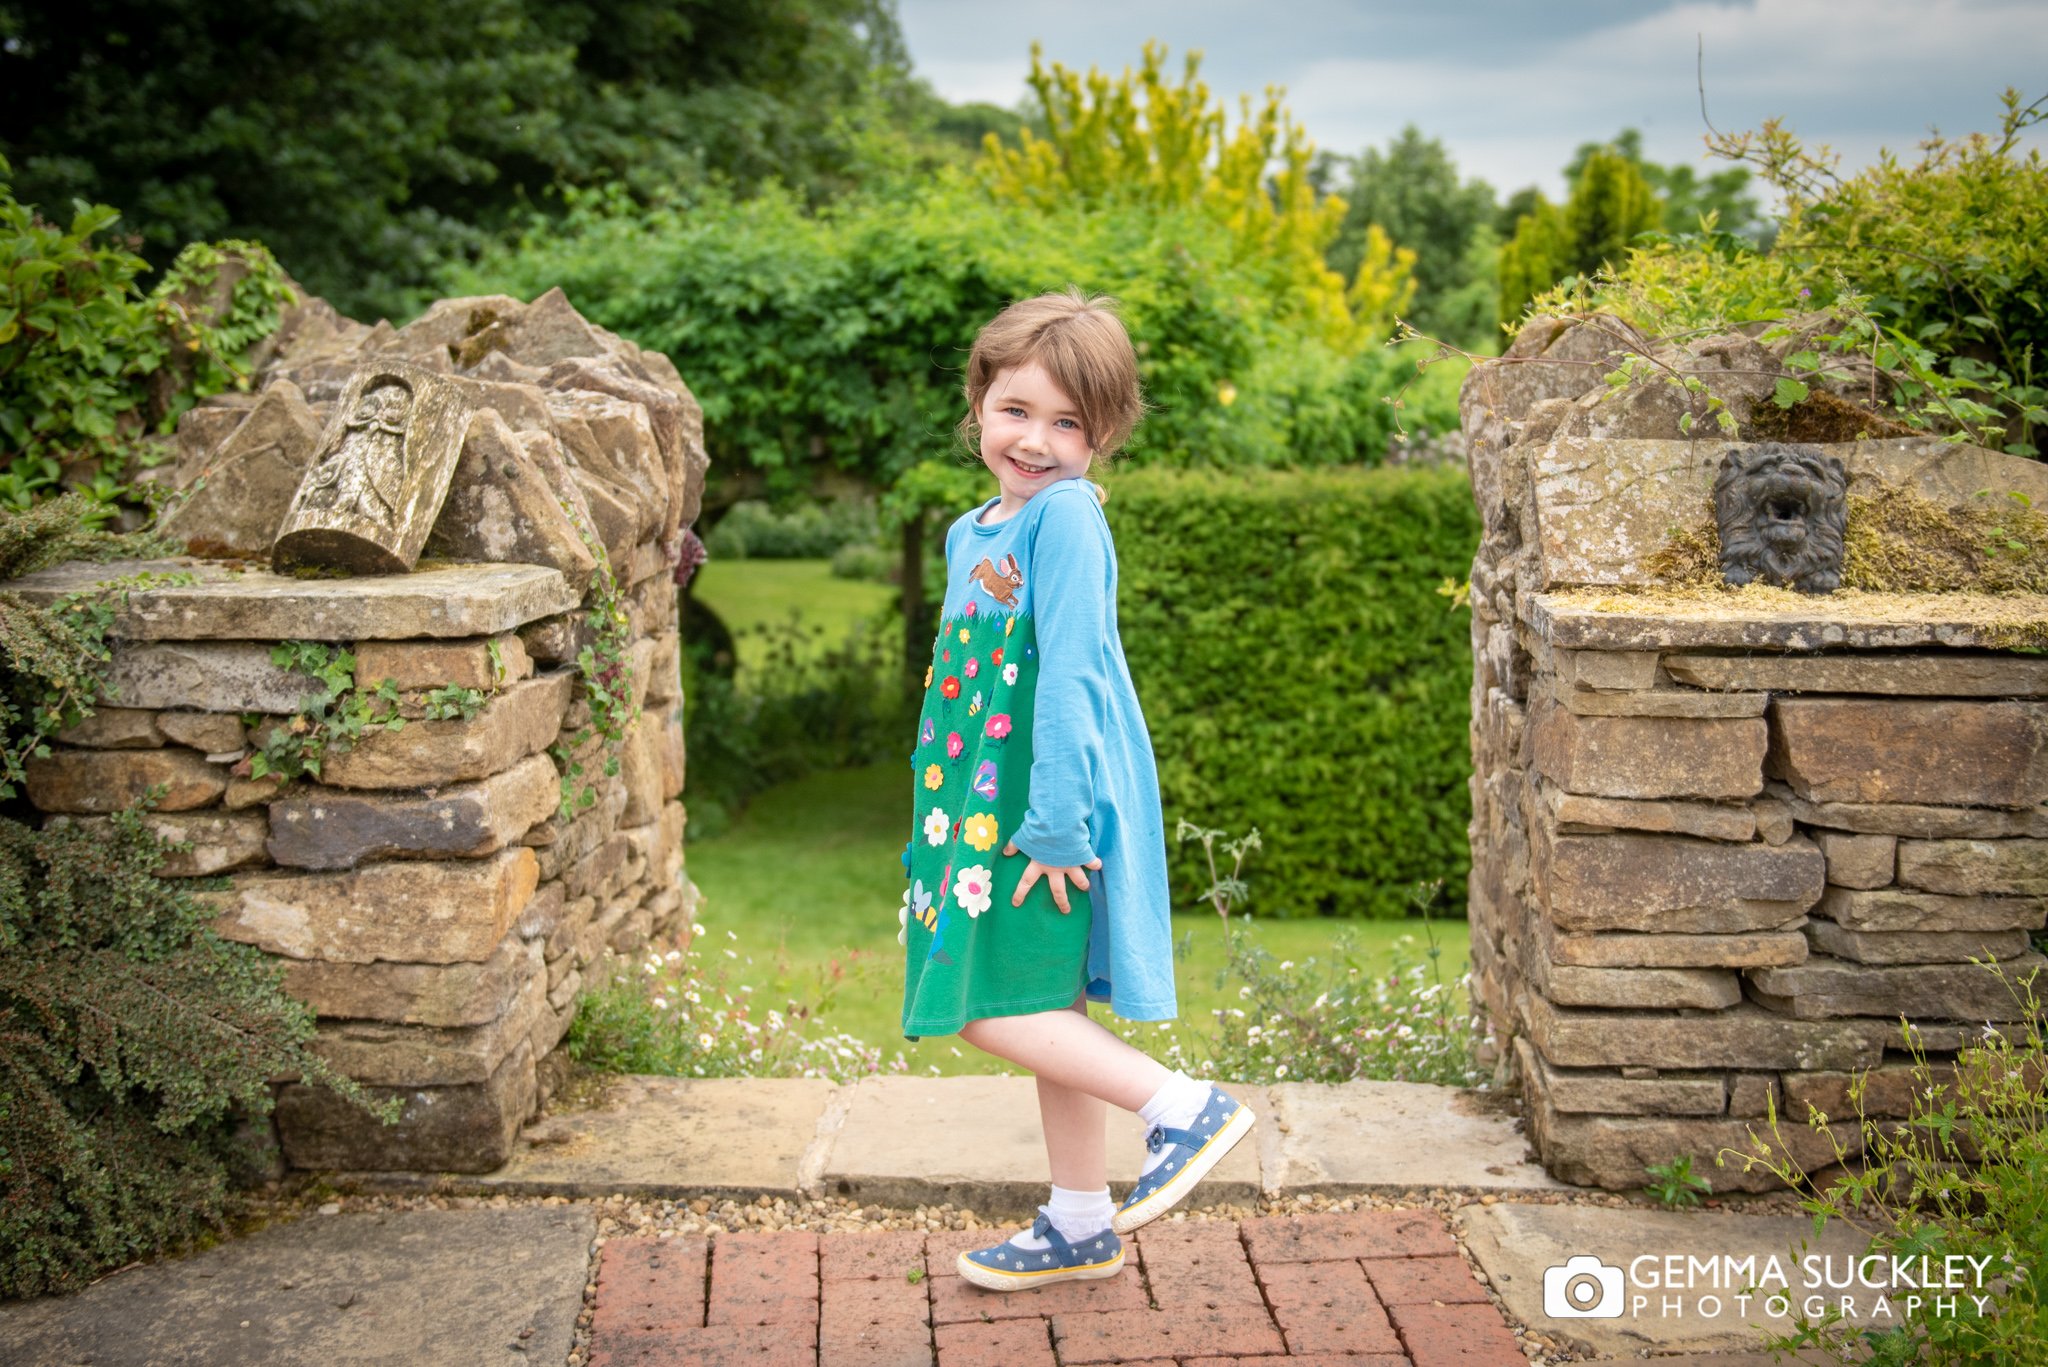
{"type": "Point", "coordinates": [1721, 848]}
{"type": "Point", "coordinates": [423, 892]}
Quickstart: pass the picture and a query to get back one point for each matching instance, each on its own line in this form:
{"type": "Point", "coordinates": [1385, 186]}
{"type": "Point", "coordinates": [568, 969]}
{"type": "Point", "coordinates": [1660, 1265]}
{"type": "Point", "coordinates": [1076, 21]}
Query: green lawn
{"type": "Point", "coordinates": [810, 878]}
{"type": "Point", "coordinates": [750, 595]}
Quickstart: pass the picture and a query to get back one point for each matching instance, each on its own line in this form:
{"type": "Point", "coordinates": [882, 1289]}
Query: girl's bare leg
{"type": "Point", "coordinates": [1080, 1066]}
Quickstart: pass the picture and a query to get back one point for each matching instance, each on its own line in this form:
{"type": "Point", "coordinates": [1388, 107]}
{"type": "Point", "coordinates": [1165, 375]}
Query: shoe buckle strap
{"type": "Point", "coordinates": [1043, 1228]}
{"type": "Point", "coordinates": [1158, 1137]}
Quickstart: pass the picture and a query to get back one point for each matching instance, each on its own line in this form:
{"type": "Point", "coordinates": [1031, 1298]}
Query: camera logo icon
{"type": "Point", "coordinates": [1584, 1288]}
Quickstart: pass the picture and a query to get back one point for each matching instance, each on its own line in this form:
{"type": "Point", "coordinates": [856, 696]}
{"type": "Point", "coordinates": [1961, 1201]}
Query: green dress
{"type": "Point", "coordinates": [1068, 785]}
{"type": "Point", "coordinates": [971, 953]}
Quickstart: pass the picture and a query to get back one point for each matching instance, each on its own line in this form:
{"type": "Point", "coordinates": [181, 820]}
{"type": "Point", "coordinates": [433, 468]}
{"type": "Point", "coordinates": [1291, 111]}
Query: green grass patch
{"type": "Point", "coordinates": [754, 597]}
{"type": "Point", "coordinates": [804, 888]}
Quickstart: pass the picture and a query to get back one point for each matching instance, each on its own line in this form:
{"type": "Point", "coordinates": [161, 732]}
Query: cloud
{"type": "Point", "coordinates": [1513, 88]}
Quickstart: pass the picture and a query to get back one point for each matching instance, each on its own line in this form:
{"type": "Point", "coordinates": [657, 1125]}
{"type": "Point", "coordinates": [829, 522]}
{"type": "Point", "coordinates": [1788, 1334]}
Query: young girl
{"type": "Point", "coordinates": [1038, 866]}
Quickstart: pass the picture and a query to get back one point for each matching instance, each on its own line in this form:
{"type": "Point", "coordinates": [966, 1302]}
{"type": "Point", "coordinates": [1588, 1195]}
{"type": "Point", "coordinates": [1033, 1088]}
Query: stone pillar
{"type": "Point", "coordinates": [1721, 844]}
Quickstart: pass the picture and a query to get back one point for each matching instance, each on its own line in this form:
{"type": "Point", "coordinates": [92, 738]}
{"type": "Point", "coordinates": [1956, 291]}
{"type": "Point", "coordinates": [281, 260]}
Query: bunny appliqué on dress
{"type": "Point", "coordinates": [1001, 579]}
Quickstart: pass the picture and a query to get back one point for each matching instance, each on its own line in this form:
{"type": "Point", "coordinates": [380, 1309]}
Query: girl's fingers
{"type": "Point", "coordinates": [1009, 847]}
{"type": "Point", "coordinates": [1080, 880]}
{"type": "Point", "coordinates": [1031, 872]}
{"type": "Point", "coordinates": [1058, 881]}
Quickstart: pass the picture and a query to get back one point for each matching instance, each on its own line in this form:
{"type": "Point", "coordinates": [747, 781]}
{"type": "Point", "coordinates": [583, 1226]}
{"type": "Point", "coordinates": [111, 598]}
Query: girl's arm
{"type": "Point", "coordinates": [1074, 583]}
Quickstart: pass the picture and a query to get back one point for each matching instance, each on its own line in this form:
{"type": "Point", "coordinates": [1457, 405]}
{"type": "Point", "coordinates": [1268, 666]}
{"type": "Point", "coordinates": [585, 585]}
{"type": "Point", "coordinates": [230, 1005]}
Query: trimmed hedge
{"type": "Point", "coordinates": [1301, 673]}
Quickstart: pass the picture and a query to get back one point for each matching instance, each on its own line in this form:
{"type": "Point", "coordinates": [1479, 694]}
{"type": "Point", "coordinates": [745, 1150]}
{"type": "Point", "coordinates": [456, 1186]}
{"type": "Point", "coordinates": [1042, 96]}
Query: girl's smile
{"type": "Point", "coordinates": [1031, 436]}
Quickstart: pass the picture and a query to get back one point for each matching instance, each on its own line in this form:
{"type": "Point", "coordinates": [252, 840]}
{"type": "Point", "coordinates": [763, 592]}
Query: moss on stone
{"type": "Point", "coordinates": [1897, 540]}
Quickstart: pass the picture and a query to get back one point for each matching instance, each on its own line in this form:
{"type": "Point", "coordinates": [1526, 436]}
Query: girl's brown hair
{"type": "Point", "coordinates": [1083, 346]}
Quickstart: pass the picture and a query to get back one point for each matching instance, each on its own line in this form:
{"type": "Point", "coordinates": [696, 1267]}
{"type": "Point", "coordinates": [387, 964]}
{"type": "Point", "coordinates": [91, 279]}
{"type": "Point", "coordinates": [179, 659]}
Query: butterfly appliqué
{"type": "Point", "coordinates": [985, 780]}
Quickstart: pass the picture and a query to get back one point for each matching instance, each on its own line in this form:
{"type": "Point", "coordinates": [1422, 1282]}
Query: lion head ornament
{"type": "Point", "coordinates": [1782, 510]}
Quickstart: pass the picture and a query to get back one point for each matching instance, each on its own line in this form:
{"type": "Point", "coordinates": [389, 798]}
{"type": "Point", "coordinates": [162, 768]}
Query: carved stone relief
{"type": "Point", "coordinates": [380, 474]}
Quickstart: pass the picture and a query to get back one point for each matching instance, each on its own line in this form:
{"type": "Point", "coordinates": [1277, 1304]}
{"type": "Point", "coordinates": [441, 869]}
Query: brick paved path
{"type": "Point", "coordinates": [1371, 1289]}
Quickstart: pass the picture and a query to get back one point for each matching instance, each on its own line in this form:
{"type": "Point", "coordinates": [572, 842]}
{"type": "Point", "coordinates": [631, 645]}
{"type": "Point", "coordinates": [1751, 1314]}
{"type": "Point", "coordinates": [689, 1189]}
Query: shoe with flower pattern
{"type": "Point", "coordinates": [1006, 1267]}
{"type": "Point", "coordinates": [1190, 1153]}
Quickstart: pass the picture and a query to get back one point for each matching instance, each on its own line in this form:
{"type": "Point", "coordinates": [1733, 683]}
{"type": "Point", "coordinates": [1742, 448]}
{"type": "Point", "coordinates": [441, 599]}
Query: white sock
{"type": "Point", "coordinates": [1175, 1105]}
{"type": "Point", "coordinates": [1075, 1214]}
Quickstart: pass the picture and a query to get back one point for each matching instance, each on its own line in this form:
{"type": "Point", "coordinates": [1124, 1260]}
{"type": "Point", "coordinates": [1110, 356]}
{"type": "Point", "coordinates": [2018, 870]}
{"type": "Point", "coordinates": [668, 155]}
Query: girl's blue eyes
{"type": "Point", "coordinates": [1017, 412]}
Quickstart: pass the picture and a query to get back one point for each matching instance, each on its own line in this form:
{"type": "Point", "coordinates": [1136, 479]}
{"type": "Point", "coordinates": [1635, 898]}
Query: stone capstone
{"type": "Point", "coordinates": [514, 501]}
{"type": "Point", "coordinates": [253, 605]}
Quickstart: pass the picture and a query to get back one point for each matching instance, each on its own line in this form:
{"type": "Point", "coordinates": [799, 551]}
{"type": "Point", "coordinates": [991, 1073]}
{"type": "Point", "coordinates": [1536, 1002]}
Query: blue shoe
{"type": "Point", "coordinates": [1194, 1151]}
{"type": "Point", "coordinates": [1006, 1267]}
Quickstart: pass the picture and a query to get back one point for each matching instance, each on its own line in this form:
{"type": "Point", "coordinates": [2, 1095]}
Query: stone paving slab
{"type": "Point", "coordinates": [1362, 1137]}
{"type": "Point", "coordinates": [399, 1288]}
{"type": "Point", "coordinates": [977, 1142]}
{"type": "Point", "coordinates": [668, 1137]}
{"type": "Point", "coordinates": [1366, 1289]}
{"type": "Point", "coordinates": [1517, 1244]}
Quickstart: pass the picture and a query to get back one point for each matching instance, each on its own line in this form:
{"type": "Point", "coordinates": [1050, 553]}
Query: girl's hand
{"type": "Point", "coordinates": [1056, 878]}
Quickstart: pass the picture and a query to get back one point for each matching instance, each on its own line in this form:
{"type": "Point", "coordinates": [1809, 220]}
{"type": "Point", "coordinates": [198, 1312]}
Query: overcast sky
{"type": "Point", "coordinates": [1513, 87]}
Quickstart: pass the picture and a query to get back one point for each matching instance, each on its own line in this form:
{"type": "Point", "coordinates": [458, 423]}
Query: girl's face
{"type": "Point", "coordinates": [1031, 435]}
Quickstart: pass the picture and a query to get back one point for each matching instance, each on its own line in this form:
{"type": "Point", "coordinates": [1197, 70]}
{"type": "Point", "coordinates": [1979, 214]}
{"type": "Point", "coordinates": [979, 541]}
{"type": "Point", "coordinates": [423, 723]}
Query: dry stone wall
{"type": "Point", "coordinates": [425, 889]}
{"type": "Point", "coordinates": [1721, 846]}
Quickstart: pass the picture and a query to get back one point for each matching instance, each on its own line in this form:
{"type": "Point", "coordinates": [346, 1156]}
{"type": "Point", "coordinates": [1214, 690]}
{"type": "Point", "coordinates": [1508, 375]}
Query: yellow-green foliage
{"type": "Point", "coordinates": [1301, 673]}
{"type": "Point", "coordinates": [1141, 138]}
{"type": "Point", "coordinates": [1610, 205]}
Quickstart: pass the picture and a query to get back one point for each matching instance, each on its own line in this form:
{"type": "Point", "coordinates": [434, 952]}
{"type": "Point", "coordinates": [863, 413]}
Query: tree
{"type": "Point", "coordinates": [1682, 193]}
{"type": "Point", "coordinates": [1141, 139]}
{"type": "Point", "coordinates": [367, 141]}
{"type": "Point", "coordinates": [1610, 204]}
{"type": "Point", "coordinates": [1412, 192]}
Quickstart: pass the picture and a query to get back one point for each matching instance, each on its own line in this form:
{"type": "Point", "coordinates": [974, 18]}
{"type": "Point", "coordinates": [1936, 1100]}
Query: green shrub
{"type": "Point", "coordinates": [90, 365]}
{"type": "Point", "coordinates": [864, 560]}
{"type": "Point", "coordinates": [132, 1038]}
{"type": "Point", "coordinates": [801, 712]}
{"type": "Point", "coordinates": [807, 531]}
{"type": "Point", "coordinates": [1301, 674]}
